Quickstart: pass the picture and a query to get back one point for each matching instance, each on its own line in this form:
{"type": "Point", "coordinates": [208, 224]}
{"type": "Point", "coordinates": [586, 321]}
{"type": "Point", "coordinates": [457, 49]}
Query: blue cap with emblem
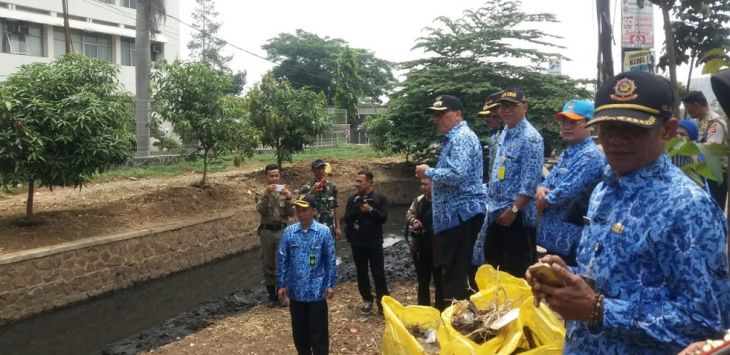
{"type": "Point", "coordinates": [638, 98]}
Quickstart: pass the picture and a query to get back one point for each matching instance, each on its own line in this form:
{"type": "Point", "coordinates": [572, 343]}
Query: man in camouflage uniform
{"type": "Point", "coordinates": [325, 195]}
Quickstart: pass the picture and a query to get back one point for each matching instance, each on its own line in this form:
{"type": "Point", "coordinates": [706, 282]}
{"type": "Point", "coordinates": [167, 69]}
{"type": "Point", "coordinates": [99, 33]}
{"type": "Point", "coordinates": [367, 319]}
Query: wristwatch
{"type": "Point", "coordinates": [515, 209]}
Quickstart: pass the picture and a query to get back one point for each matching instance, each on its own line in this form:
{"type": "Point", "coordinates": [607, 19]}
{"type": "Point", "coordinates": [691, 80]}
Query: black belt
{"type": "Point", "coordinates": [272, 227]}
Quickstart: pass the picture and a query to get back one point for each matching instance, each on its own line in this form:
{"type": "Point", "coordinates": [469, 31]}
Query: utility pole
{"type": "Point", "coordinates": [605, 38]}
{"type": "Point", "coordinates": [66, 28]}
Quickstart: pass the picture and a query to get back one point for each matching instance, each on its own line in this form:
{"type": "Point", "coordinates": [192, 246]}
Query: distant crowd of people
{"type": "Point", "coordinates": [638, 248]}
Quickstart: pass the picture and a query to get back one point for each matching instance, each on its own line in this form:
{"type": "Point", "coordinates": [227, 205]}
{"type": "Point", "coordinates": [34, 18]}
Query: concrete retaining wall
{"type": "Point", "coordinates": [42, 279]}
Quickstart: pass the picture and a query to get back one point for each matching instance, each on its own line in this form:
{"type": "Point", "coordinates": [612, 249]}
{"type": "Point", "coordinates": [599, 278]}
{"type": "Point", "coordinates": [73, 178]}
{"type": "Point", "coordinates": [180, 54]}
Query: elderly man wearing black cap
{"type": "Point", "coordinates": [510, 237]}
{"type": "Point", "coordinates": [458, 196]}
{"type": "Point", "coordinates": [652, 273]}
{"type": "Point", "coordinates": [325, 196]}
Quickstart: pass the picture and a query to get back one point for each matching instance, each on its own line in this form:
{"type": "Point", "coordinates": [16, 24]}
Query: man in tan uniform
{"type": "Point", "coordinates": [713, 130]}
{"type": "Point", "coordinates": [274, 204]}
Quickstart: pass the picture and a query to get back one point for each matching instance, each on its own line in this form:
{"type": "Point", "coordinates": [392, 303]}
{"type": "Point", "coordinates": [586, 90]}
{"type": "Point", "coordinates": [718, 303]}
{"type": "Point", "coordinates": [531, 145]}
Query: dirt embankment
{"type": "Point", "coordinates": [129, 205]}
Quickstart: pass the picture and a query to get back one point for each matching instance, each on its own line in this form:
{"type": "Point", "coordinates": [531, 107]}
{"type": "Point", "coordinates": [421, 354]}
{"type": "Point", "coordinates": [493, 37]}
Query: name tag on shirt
{"type": "Point", "coordinates": [500, 172]}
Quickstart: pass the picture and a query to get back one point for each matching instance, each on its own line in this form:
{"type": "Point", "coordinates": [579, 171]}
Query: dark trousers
{"type": "Point", "coordinates": [457, 245]}
{"type": "Point", "coordinates": [424, 272]}
{"type": "Point", "coordinates": [511, 248]}
{"type": "Point", "coordinates": [363, 255]}
{"type": "Point", "coordinates": [309, 327]}
{"type": "Point", "coordinates": [719, 191]}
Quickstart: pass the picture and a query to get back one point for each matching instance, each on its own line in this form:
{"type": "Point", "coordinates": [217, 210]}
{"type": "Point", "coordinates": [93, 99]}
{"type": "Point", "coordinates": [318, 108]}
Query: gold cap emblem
{"type": "Point", "coordinates": [624, 90]}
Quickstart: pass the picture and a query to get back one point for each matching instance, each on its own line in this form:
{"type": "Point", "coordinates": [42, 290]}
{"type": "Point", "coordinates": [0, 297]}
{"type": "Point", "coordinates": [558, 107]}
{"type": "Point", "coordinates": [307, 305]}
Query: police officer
{"type": "Point", "coordinates": [713, 130]}
{"type": "Point", "coordinates": [274, 205]}
{"type": "Point", "coordinates": [652, 274]}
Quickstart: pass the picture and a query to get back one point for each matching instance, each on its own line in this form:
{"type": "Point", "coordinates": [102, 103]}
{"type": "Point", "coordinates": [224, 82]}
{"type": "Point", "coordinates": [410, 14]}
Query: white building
{"type": "Point", "coordinates": [32, 31]}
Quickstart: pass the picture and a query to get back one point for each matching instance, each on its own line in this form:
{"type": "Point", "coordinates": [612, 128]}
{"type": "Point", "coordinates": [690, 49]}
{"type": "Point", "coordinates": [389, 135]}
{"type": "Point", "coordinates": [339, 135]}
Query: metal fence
{"type": "Point", "coordinates": [342, 133]}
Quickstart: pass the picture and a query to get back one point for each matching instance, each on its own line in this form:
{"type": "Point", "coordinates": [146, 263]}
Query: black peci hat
{"type": "Point", "coordinates": [638, 98]}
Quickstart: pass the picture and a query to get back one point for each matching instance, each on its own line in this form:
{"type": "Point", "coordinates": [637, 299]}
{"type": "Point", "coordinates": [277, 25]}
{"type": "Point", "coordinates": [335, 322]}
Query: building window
{"type": "Point", "coordinates": [22, 38]}
{"type": "Point", "coordinates": [127, 51]}
{"type": "Point", "coordinates": [157, 51]}
{"type": "Point", "coordinates": [132, 4]}
{"type": "Point", "coordinates": [108, 1]}
{"type": "Point", "coordinates": [94, 45]}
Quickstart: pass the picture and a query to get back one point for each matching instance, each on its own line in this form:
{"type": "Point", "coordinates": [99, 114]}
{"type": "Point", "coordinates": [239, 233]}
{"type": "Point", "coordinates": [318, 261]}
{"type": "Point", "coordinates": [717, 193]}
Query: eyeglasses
{"type": "Point", "coordinates": [570, 123]}
{"type": "Point", "coordinates": [508, 106]}
{"type": "Point", "coordinates": [440, 114]}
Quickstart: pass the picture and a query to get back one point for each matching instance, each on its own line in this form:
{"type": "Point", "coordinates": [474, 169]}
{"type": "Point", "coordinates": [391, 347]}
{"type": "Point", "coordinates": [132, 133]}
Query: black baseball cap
{"type": "Point", "coordinates": [695, 97]}
{"type": "Point", "coordinates": [490, 104]}
{"type": "Point", "coordinates": [512, 95]}
{"type": "Point", "coordinates": [638, 98]}
{"type": "Point", "coordinates": [445, 102]}
{"type": "Point", "coordinates": [318, 163]}
{"type": "Point", "coordinates": [304, 201]}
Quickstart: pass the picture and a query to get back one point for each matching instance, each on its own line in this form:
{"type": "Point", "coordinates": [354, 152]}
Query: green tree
{"type": "Point", "coordinates": [150, 14]}
{"type": "Point", "coordinates": [192, 95]}
{"type": "Point", "coordinates": [61, 122]}
{"type": "Point", "coordinates": [207, 46]}
{"type": "Point", "coordinates": [307, 60]}
{"type": "Point", "coordinates": [471, 57]}
{"type": "Point", "coordinates": [348, 84]}
{"type": "Point", "coordinates": [289, 118]}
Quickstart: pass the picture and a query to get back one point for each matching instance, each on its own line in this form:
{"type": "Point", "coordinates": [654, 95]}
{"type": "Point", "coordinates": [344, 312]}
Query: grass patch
{"type": "Point", "coordinates": [342, 152]}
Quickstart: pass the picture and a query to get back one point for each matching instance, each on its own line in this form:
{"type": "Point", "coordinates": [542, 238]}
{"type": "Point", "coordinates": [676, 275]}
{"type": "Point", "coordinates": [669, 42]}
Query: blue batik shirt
{"type": "Point", "coordinates": [306, 262]}
{"type": "Point", "coordinates": [656, 248]}
{"type": "Point", "coordinates": [477, 256]}
{"type": "Point", "coordinates": [456, 181]}
{"type": "Point", "coordinates": [579, 166]}
{"type": "Point", "coordinates": [516, 171]}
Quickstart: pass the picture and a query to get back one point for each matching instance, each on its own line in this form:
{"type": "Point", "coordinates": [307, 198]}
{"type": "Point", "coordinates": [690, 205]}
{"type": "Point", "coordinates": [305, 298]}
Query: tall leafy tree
{"type": "Point", "coordinates": [307, 60]}
{"type": "Point", "coordinates": [289, 118]}
{"type": "Point", "coordinates": [150, 14]}
{"type": "Point", "coordinates": [207, 46]}
{"type": "Point", "coordinates": [471, 57]}
{"type": "Point", "coordinates": [348, 83]}
{"type": "Point", "coordinates": [61, 122]}
{"type": "Point", "coordinates": [193, 96]}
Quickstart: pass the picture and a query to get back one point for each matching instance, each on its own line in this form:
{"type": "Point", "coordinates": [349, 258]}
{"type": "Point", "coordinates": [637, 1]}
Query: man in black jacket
{"type": "Point", "coordinates": [365, 214]}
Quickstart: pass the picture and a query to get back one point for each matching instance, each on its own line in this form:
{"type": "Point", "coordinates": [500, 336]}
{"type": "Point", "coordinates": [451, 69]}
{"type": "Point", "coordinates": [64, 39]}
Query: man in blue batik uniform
{"type": "Point", "coordinates": [652, 272]}
{"type": "Point", "coordinates": [458, 197]}
{"type": "Point", "coordinates": [306, 274]}
{"type": "Point", "coordinates": [579, 167]}
{"type": "Point", "coordinates": [517, 169]}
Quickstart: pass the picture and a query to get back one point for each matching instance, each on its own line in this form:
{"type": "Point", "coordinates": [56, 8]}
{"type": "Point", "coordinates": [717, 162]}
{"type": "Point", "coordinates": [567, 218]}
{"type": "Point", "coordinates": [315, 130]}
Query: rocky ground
{"type": "Point", "coordinates": [240, 324]}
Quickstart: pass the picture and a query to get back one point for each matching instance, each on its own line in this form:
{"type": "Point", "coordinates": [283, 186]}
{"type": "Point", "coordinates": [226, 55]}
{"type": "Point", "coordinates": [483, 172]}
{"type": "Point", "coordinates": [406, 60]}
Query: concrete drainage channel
{"type": "Point", "coordinates": [138, 318]}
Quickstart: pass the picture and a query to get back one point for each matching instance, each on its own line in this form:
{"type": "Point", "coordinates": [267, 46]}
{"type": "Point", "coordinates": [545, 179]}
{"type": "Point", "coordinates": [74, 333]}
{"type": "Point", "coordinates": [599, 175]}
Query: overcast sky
{"type": "Point", "coordinates": [390, 28]}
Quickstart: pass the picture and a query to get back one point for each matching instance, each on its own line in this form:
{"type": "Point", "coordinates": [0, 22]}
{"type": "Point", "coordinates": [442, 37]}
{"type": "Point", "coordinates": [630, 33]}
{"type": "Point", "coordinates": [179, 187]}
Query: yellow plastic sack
{"type": "Point", "coordinates": [396, 339]}
{"type": "Point", "coordinates": [547, 332]}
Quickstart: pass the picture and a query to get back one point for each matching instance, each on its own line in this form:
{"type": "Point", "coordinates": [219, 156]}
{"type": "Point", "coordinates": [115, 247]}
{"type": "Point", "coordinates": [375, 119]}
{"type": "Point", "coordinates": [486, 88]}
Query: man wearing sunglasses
{"type": "Point", "coordinates": [517, 169]}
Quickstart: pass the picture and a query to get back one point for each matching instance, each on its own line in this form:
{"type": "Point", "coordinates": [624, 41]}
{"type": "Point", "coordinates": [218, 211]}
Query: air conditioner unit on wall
{"type": "Point", "coordinates": [157, 47]}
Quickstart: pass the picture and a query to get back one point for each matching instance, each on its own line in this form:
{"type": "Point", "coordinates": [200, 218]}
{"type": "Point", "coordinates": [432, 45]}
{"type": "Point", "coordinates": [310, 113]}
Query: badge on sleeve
{"type": "Point", "coordinates": [500, 172]}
